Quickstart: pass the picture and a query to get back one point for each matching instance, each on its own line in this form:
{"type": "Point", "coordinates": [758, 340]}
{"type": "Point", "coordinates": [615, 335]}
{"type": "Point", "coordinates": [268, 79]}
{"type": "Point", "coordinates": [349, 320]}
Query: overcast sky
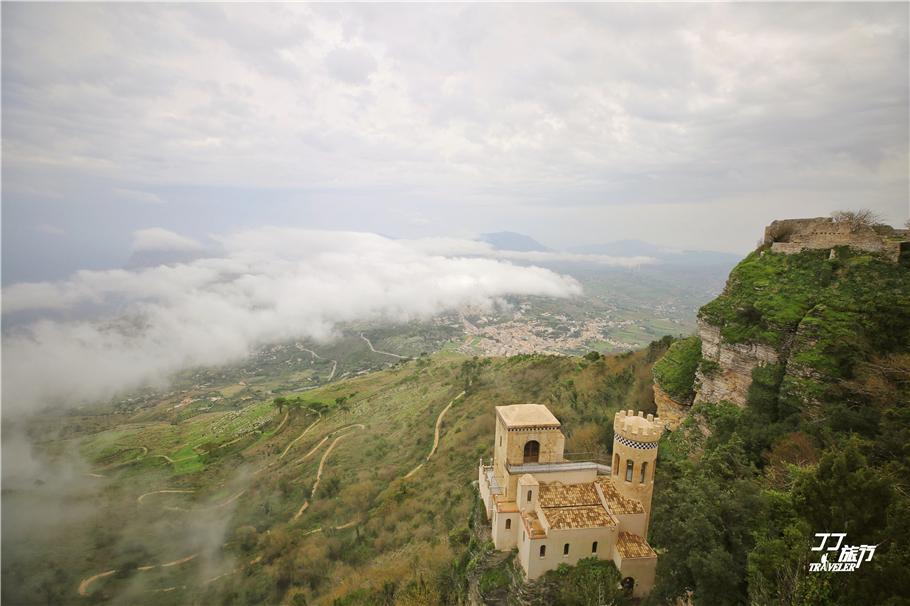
{"type": "Point", "coordinates": [689, 126]}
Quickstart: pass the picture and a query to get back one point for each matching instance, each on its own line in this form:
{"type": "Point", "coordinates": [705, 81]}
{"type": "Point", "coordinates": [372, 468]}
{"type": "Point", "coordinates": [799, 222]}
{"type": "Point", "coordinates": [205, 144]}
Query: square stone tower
{"type": "Point", "coordinates": [525, 433]}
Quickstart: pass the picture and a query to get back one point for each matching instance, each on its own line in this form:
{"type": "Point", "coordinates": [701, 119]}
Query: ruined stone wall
{"type": "Point", "coordinates": [731, 379]}
{"type": "Point", "coordinates": [790, 236]}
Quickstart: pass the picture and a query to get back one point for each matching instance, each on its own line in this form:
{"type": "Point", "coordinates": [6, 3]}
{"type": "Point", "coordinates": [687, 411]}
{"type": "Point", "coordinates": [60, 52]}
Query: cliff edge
{"type": "Point", "coordinates": [794, 317]}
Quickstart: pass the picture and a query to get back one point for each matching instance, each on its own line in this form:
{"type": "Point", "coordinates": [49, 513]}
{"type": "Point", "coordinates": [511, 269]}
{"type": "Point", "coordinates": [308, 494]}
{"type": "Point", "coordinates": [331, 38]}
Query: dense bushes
{"type": "Point", "coordinates": [675, 371]}
{"type": "Point", "coordinates": [822, 445]}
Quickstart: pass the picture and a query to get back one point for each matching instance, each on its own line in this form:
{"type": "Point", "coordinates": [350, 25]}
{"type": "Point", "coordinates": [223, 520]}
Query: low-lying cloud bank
{"type": "Point", "coordinates": [270, 284]}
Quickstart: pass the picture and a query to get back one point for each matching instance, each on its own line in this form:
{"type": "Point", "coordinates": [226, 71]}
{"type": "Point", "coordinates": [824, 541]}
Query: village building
{"type": "Point", "coordinates": [555, 511]}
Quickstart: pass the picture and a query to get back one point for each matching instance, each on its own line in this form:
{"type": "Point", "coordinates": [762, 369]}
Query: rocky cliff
{"type": "Point", "coordinates": [797, 321]}
{"type": "Point", "coordinates": [728, 374]}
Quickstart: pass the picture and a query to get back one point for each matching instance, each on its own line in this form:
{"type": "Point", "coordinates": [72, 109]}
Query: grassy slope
{"type": "Point", "coordinates": [404, 533]}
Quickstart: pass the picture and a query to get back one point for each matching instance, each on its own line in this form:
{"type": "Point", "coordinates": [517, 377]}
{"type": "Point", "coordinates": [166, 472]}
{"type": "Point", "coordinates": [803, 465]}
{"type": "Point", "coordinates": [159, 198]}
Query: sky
{"type": "Point", "coordinates": [688, 126]}
{"type": "Point", "coordinates": [316, 164]}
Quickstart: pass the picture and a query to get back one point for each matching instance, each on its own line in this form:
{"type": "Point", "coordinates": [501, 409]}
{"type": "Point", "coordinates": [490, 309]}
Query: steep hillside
{"type": "Point", "coordinates": [793, 406]}
{"type": "Point", "coordinates": [357, 491]}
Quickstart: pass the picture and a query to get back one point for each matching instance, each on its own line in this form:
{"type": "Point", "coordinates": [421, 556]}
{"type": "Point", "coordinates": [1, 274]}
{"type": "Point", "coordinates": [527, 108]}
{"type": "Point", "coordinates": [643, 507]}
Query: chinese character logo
{"type": "Point", "coordinates": [849, 557]}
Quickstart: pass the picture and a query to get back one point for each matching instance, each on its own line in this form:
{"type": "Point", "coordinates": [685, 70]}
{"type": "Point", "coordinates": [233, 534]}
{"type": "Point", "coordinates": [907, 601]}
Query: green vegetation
{"type": "Point", "coordinates": [768, 294]}
{"type": "Point", "coordinates": [822, 444]}
{"type": "Point", "coordinates": [237, 484]}
{"type": "Point", "coordinates": [675, 371]}
{"type": "Point", "coordinates": [591, 582]}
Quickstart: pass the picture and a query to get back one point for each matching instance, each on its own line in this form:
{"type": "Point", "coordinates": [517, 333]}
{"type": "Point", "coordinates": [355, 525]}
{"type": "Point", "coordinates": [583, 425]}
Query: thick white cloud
{"type": "Point", "coordinates": [271, 284]}
{"type": "Point", "coordinates": [157, 238]}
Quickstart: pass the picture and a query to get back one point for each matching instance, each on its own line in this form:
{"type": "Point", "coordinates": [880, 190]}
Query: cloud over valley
{"type": "Point", "coordinates": [269, 284]}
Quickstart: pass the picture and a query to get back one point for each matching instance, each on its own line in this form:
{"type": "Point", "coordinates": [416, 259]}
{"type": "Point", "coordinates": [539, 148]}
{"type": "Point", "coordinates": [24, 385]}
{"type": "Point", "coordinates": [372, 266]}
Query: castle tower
{"type": "Point", "coordinates": [635, 440]}
{"type": "Point", "coordinates": [526, 434]}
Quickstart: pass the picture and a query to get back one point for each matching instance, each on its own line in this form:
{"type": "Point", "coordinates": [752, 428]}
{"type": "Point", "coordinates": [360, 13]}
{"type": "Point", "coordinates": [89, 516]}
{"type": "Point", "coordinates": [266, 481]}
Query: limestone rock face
{"type": "Point", "coordinates": [731, 379]}
{"type": "Point", "coordinates": [668, 409]}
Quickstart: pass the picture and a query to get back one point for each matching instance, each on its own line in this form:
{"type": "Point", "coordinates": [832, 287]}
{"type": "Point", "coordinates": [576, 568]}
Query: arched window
{"type": "Point", "coordinates": [565, 549]}
{"type": "Point", "coordinates": [629, 466]}
{"type": "Point", "coordinates": [616, 464]}
{"type": "Point", "coordinates": [508, 524]}
{"type": "Point", "coordinates": [529, 496]}
{"type": "Point", "coordinates": [644, 471]}
{"type": "Point", "coordinates": [543, 551]}
{"type": "Point", "coordinates": [594, 547]}
{"type": "Point", "coordinates": [532, 451]}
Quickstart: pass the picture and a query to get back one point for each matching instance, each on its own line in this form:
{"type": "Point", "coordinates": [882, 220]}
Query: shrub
{"type": "Point", "coordinates": [675, 371]}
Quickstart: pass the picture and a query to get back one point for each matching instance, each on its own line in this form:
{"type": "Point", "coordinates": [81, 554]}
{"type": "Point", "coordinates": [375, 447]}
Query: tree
{"type": "Point", "coordinates": [280, 402]}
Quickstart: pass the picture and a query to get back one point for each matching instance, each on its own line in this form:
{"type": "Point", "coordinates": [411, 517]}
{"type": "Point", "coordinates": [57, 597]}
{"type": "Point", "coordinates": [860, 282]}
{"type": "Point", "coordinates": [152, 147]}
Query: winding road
{"type": "Point", "coordinates": [317, 356]}
{"type": "Point", "coordinates": [322, 466]}
{"type": "Point", "coordinates": [169, 491]}
{"type": "Point", "coordinates": [386, 353]}
{"type": "Point", "coordinates": [86, 583]}
{"type": "Point", "coordinates": [297, 439]}
{"type": "Point", "coordinates": [435, 434]}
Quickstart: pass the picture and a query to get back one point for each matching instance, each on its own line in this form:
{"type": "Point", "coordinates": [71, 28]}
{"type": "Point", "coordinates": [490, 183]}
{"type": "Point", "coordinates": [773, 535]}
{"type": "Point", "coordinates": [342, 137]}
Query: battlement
{"type": "Point", "coordinates": [638, 428]}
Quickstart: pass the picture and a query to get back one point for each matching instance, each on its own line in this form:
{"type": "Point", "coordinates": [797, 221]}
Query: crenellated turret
{"type": "Point", "coordinates": [635, 442]}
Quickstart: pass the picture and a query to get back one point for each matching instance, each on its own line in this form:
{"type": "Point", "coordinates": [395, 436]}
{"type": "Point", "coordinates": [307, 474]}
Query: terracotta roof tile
{"type": "Point", "coordinates": [617, 503]}
{"type": "Point", "coordinates": [556, 494]}
{"type": "Point", "coordinates": [633, 546]}
{"type": "Point", "coordinates": [587, 516]}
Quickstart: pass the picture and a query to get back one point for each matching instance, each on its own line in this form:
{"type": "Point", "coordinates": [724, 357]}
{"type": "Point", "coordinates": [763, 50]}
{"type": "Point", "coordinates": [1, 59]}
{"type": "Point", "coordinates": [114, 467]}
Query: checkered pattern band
{"type": "Point", "coordinates": [635, 443]}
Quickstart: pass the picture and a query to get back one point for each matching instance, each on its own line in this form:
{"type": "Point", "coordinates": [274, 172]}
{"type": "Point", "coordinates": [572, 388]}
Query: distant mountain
{"type": "Point", "coordinates": [509, 240]}
{"type": "Point", "coordinates": [668, 256]}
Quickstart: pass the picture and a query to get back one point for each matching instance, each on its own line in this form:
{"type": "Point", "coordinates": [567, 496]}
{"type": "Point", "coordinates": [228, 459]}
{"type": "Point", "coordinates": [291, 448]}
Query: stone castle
{"type": "Point", "coordinates": [555, 511]}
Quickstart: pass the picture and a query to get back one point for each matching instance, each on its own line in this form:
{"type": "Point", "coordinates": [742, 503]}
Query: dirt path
{"type": "Point", "coordinates": [281, 425]}
{"type": "Point", "coordinates": [86, 583]}
{"type": "Point", "coordinates": [317, 356]}
{"type": "Point", "coordinates": [312, 450]}
{"type": "Point", "coordinates": [322, 467]}
{"type": "Point", "coordinates": [170, 460]}
{"type": "Point", "coordinates": [141, 456]}
{"type": "Point", "coordinates": [435, 434]}
{"type": "Point", "coordinates": [209, 508]}
{"type": "Point", "coordinates": [374, 350]}
{"type": "Point", "coordinates": [297, 439]}
{"type": "Point", "coordinates": [139, 499]}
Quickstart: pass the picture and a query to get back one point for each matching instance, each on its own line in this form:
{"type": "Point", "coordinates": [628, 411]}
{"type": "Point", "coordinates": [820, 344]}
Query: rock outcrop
{"type": "Point", "coordinates": [668, 409]}
{"type": "Point", "coordinates": [731, 372]}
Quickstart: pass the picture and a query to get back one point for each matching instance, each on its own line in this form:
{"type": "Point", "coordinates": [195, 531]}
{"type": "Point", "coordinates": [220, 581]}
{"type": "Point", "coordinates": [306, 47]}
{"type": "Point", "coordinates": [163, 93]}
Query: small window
{"type": "Point", "coordinates": [594, 547]}
{"type": "Point", "coordinates": [522, 536]}
{"type": "Point", "coordinates": [629, 466]}
{"type": "Point", "coordinates": [565, 549]}
{"type": "Point", "coordinates": [616, 464]}
{"type": "Point", "coordinates": [644, 471]}
{"type": "Point", "coordinates": [508, 524]}
{"type": "Point", "coordinates": [500, 440]}
{"type": "Point", "coordinates": [543, 551]}
{"type": "Point", "coordinates": [529, 496]}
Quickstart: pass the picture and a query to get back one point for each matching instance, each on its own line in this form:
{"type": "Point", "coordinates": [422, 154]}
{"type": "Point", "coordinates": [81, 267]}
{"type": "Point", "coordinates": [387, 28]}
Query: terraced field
{"type": "Point", "coordinates": [335, 496]}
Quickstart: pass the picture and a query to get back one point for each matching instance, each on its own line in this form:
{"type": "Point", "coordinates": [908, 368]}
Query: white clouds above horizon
{"type": "Point", "coordinates": [272, 284]}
